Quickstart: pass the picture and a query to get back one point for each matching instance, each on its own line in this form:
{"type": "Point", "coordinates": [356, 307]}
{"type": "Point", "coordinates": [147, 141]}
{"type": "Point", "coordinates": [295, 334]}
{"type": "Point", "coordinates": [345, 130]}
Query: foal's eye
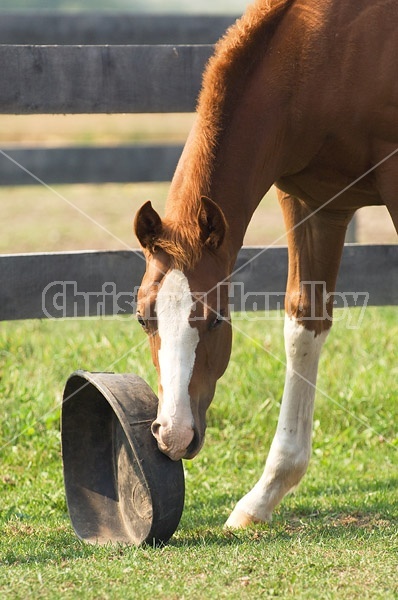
{"type": "Point", "coordinates": [216, 322]}
{"type": "Point", "coordinates": [141, 320]}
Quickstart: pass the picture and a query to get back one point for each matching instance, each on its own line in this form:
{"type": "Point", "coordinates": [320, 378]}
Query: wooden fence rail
{"type": "Point", "coordinates": [100, 79]}
{"type": "Point", "coordinates": [128, 78]}
{"type": "Point", "coordinates": [88, 164]}
{"type": "Point", "coordinates": [90, 28]}
{"type": "Point", "coordinates": [82, 284]}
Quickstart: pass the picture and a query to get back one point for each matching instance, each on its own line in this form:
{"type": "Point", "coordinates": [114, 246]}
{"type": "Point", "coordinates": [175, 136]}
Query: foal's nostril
{"type": "Point", "coordinates": [194, 446]}
{"type": "Point", "coordinates": [155, 429]}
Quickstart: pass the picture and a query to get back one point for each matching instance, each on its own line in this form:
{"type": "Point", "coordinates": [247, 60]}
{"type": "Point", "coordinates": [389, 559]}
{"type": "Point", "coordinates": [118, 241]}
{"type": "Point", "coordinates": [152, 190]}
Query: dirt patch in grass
{"type": "Point", "coordinates": [357, 520]}
{"type": "Point", "coordinates": [360, 521]}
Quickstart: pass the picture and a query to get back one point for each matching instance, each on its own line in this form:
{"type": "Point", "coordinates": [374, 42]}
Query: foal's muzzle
{"type": "Point", "coordinates": [177, 442]}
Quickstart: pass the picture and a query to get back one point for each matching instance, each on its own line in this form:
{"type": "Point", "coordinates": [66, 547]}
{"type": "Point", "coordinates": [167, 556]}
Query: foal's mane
{"type": "Point", "coordinates": [235, 56]}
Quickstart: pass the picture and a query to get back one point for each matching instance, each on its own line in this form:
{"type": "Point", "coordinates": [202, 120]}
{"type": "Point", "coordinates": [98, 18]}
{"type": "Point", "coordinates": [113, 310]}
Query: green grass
{"type": "Point", "coordinates": [336, 537]}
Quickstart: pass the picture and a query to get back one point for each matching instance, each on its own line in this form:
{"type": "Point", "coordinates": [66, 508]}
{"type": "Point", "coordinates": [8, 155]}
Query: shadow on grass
{"type": "Point", "coordinates": [351, 509]}
{"type": "Point", "coordinates": [202, 526]}
{"type": "Point", "coordinates": [287, 528]}
{"type": "Point", "coordinates": [44, 549]}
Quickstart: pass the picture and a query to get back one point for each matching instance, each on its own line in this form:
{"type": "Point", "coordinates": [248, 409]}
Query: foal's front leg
{"type": "Point", "coordinates": [291, 447]}
{"type": "Point", "coordinates": [315, 242]}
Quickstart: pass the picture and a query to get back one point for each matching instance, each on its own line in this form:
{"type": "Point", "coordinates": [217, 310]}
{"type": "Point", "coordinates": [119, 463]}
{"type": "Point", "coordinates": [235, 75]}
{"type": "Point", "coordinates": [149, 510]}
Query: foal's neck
{"type": "Point", "coordinates": [235, 174]}
{"type": "Point", "coordinates": [232, 151]}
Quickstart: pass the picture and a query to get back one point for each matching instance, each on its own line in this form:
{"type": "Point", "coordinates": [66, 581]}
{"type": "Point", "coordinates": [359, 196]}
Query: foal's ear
{"type": "Point", "coordinates": [147, 226]}
{"type": "Point", "coordinates": [212, 223]}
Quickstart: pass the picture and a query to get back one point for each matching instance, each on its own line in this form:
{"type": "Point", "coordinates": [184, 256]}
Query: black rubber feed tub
{"type": "Point", "coordinates": [119, 487]}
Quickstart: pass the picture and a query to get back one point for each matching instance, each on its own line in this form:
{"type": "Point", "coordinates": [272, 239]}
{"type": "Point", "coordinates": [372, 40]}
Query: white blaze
{"type": "Point", "coordinates": [178, 342]}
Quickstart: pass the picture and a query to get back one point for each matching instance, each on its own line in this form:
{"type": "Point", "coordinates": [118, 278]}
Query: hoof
{"type": "Point", "coordinates": [239, 519]}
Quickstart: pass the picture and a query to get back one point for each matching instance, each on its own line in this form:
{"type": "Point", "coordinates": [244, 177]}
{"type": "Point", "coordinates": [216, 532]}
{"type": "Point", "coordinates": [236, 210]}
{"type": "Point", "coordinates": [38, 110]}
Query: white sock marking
{"type": "Point", "coordinates": [291, 447]}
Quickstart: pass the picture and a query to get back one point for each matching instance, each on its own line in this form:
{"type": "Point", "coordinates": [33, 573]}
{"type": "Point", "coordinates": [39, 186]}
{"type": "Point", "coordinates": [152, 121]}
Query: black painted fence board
{"type": "Point", "coordinates": [43, 285]}
{"type": "Point", "coordinates": [46, 27]}
{"type": "Point", "coordinates": [89, 164]}
{"type": "Point", "coordinates": [100, 79]}
{"type": "Point", "coordinates": [93, 283]}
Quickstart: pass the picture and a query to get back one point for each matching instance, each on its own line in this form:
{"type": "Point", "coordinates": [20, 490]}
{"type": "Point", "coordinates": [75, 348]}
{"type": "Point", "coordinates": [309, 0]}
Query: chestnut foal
{"type": "Point", "coordinates": [303, 94]}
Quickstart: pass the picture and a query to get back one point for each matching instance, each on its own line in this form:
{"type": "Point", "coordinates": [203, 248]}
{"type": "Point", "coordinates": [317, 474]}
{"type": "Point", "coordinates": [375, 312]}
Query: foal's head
{"type": "Point", "coordinates": [183, 307]}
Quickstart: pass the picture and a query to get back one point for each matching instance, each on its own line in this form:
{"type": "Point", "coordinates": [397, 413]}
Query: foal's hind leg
{"type": "Point", "coordinates": [314, 255]}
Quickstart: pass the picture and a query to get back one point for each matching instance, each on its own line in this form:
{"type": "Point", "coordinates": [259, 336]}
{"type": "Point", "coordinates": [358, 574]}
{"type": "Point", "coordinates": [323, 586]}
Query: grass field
{"type": "Point", "coordinates": [336, 537]}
